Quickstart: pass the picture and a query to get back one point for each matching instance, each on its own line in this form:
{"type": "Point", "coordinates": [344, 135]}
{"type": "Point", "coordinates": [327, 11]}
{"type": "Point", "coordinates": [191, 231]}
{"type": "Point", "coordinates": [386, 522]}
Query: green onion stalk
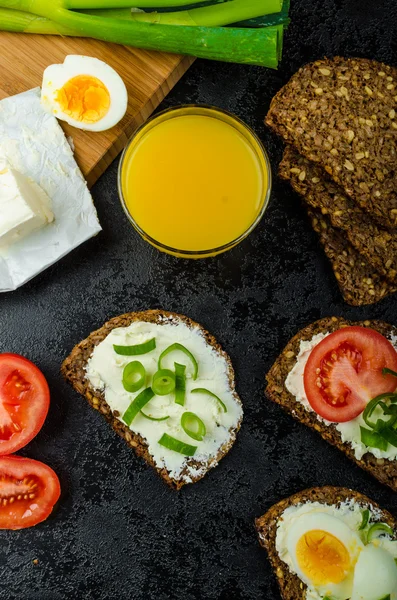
{"type": "Point", "coordinates": [247, 46]}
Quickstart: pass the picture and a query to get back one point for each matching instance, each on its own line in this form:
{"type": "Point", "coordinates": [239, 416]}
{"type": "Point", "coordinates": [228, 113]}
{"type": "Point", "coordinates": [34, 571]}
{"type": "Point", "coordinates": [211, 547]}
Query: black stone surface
{"type": "Point", "coordinates": [119, 532]}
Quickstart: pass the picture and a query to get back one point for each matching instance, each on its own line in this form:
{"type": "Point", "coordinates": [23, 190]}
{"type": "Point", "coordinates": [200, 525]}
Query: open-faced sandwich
{"type": "Point", "coordinates": [166, 387]}
{"type": "Point", "coordinates": [340, 378]}
{"type": "Point", "coordinates": [331, 544]}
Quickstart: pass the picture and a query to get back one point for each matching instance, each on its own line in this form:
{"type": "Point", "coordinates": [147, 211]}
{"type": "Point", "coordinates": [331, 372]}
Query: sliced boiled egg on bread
{"type": "Point", "coordinates": [324, 551]}
{"type": "Point", "coordinates": [85, 92]}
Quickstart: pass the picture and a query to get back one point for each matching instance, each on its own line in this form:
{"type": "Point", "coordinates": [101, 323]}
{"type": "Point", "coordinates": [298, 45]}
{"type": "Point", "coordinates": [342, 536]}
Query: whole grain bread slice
{"type": "Point", "coordinates": [291, 587]}
{"type": "Point", "coordinates": [358, 281]}
{"type": "Point", "coordinates": [74, 371]}
{"type": "Point", "coordinates": [341, 114]}
{"type": "Point", "coordinates": [377, 244]}
{"type": "Point", "coordinates": [383, 469]}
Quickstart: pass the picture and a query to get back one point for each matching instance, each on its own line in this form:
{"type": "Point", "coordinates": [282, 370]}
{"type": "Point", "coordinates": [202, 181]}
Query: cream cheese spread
{"type": "Point", "coordinates": [24, 206]}
{"type": "Point", "coordinates": [105, 370]}
{"type": "Point", "coordinates": [349, 512]}
{"type": "Point", "coordinates": [350, 431]}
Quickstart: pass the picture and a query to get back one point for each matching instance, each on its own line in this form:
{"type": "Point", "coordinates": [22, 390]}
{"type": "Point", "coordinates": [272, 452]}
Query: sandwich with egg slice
{"type": "Point", "coordinates": [331, 543]}
{"type": "Point", "coordinates": [166, 387]}
{"type": "Point", "coordinates": [340, 378]}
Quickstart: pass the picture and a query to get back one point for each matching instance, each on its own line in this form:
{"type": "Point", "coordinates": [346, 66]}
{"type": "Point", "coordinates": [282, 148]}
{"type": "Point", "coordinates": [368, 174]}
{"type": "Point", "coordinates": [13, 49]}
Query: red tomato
{"type": "Point", "coordinates": [24, 402]}
{"type": "Point", "coordinates": [28, 491]}
{"type": "Point", "coordinates": [344, 372]}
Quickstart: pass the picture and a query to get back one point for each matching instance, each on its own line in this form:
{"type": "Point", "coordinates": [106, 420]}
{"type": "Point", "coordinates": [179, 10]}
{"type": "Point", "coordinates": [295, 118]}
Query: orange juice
{"type": "Point", "coordinates": [194, 183]}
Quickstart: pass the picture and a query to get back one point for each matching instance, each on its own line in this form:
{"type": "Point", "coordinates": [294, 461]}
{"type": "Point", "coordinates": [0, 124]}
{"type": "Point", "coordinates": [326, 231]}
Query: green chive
{"type": "Point", "coordinates": [163, 382]}
{"type": "Point", "coordinates": [134, 375]}
{"type": "Point", "coordinates": [208, 393]}
{"type": "Point", "coordinates": [180, 348]}
{"type": "Point", "coordinates": [180, 384]}
{"type": "Point", "coordinates": [137, 349]}
{"type": "Point", "coordinates": [154, 418]}
{"type": "Point", "coordinates": [176, 445]}
{"type": "Point", "coordinates": [193, 426]}
{"type": "Point", "coordinates": [136, 405]}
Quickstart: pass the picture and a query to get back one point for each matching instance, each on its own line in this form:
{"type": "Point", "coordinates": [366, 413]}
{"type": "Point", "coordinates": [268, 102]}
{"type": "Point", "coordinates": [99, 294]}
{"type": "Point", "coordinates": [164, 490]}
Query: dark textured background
{"type": "Point", "coordinates": [119, 532]}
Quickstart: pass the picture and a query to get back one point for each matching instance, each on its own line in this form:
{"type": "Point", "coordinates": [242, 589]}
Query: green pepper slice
{"type": "Point", "coordinates": [377, 528]}
{"type": "Point", "coordinates": [137, 404]}
{"type": "Point", "coordinates": [205, 391]}
{"type": "Point", "coordinates": [373, 404]}
{"type": "Point", "coordinates": [176, 445]}
{"type": "Point", "coordinates": [180, 384]}
{"type": "Point", "coordinates": [185, 351]}
{"type": "Point", "coordinates": [365, 518]}
{"type": "Point", "coordinates": [193, 426]}
{"type": "Point", "coordinates": [137, 349]}
{"type": "Point", "coordinates": [163, 382]}
{"type": "Point", "coordinates": [134, 375]}
{"type": "Point", "coordinates": [372, 439]}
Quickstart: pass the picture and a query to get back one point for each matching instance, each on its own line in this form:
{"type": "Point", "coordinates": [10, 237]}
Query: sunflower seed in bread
{"type": "Point", "coordinates": [377, 244]}
{"type": "Point", "coordinates": [342, 114]}
{"type": "Point", "coordinates": [359, 283]}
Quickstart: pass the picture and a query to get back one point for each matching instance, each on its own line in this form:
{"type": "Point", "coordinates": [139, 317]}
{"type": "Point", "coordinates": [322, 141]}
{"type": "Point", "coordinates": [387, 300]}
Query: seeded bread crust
{"type": "Point", "coordinates": [384, 470]}
{"type": "Point", "coordinates": [341, 113]}
{"type": "Point", "coordinates": [378, 245]}
{"type": "Point", "coordinates": [291, 587]}
{"type": "Point", "coordinates": [74, 371]}
{"type": "Point", "coordinates": [359, 283]}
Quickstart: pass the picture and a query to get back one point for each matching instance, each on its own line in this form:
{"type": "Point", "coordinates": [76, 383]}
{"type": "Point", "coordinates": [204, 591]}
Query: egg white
{"type": "Point", "coordinates": [375, 575]}
{"type": "Point", "coordinates": [336, 527]}
{"type": "Point", "coordinates": [56, 76]}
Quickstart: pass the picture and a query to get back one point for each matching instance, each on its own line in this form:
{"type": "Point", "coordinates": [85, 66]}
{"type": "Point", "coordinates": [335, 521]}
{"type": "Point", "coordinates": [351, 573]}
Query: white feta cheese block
{"type": "Point", "coordinates": [33, 143]}
{"type": "Point", "coordinates": [24, 207]}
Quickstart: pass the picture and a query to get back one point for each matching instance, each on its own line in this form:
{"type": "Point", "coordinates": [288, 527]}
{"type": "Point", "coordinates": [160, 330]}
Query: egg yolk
{"type": "Point", "coordinates": [84, 98]}
{"type": "Point", "coordinates": [322, 557]}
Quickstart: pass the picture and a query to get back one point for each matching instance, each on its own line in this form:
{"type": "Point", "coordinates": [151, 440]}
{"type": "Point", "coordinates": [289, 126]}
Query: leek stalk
{"type": "Point", "coordinates": [260, 46]}
{"type": "Point", "coordinates": [212, 16]}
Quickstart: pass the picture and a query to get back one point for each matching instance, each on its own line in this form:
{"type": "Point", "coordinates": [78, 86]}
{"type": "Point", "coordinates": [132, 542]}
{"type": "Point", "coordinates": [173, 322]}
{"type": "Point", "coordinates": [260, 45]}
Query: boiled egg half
{"type": "Point", "coordinates": [85, 92]}
{"type": "Point", "coordinates": [375, 575]}
{"type": "Point", "coordinates": [324, 551]}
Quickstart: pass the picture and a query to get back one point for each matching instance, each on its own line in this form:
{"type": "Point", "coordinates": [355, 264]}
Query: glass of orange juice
{"type": "Point", "coordinates": [194, 181]}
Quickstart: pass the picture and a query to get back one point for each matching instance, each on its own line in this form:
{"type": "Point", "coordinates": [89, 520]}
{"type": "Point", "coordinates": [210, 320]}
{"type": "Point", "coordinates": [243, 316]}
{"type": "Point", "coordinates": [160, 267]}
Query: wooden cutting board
{"type": "Point", "coordinates": [149, 76]}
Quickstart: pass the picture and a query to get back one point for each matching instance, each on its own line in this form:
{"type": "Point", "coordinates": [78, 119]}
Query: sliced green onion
{"type": "Point", "coordinates": [136, 405]}
{"type": "Point", "coordinates": [134, 375]}
{"type": "Point", "coordinates": [154, 418]}
{"type": "Point", "coordinates": [176, 445]}
{"type": "Point", "coordinates": [137, 349]}
{"type": "Point", "coordinates": [377, 529]}
{"type": "Point", "coordinates": [193, 426]}
{"type": "Point", "coordinates": [389, 372]}
{"type": "Point", "coordinates": [180, 384]}
{"type": "Point", "coordinates": [205, 391]}
{"type": "Point", "coordinates": [390, 435]}
{"type": "Point", "coordinates": [185, 351]}
{"type": "Point", "coordinates": [163, 382]}
{"type": "Point", "coordinates": [365, 518]}
{"type": "Point", "coordinates": [372, 439]}
{"type": "Point", "coordinates": [387, 597]}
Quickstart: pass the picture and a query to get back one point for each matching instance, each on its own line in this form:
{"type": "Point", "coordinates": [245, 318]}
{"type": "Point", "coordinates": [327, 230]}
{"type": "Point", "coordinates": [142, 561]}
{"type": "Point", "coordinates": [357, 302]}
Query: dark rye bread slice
{"type": "Point", "coordinates": [377, 244]}
{"type": "Point", "coordinates": [359, 283]}
{"type": "Point", "coordinates": [341, 113]}
{"type": "Point", "coordinates": [384, 470]}
{"type": "Point", "coordinates": [73, 369]}
{"type": "Point", "coordinates": [291, 587]}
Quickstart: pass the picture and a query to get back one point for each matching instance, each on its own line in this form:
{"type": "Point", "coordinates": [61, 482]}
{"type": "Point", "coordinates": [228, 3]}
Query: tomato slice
{"type": "Point", "coordinates": [28, 491]}
{"type": "Point", "coordinates": [24, 402]}
{"type": "Point", "coordinates": [344, 372]}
